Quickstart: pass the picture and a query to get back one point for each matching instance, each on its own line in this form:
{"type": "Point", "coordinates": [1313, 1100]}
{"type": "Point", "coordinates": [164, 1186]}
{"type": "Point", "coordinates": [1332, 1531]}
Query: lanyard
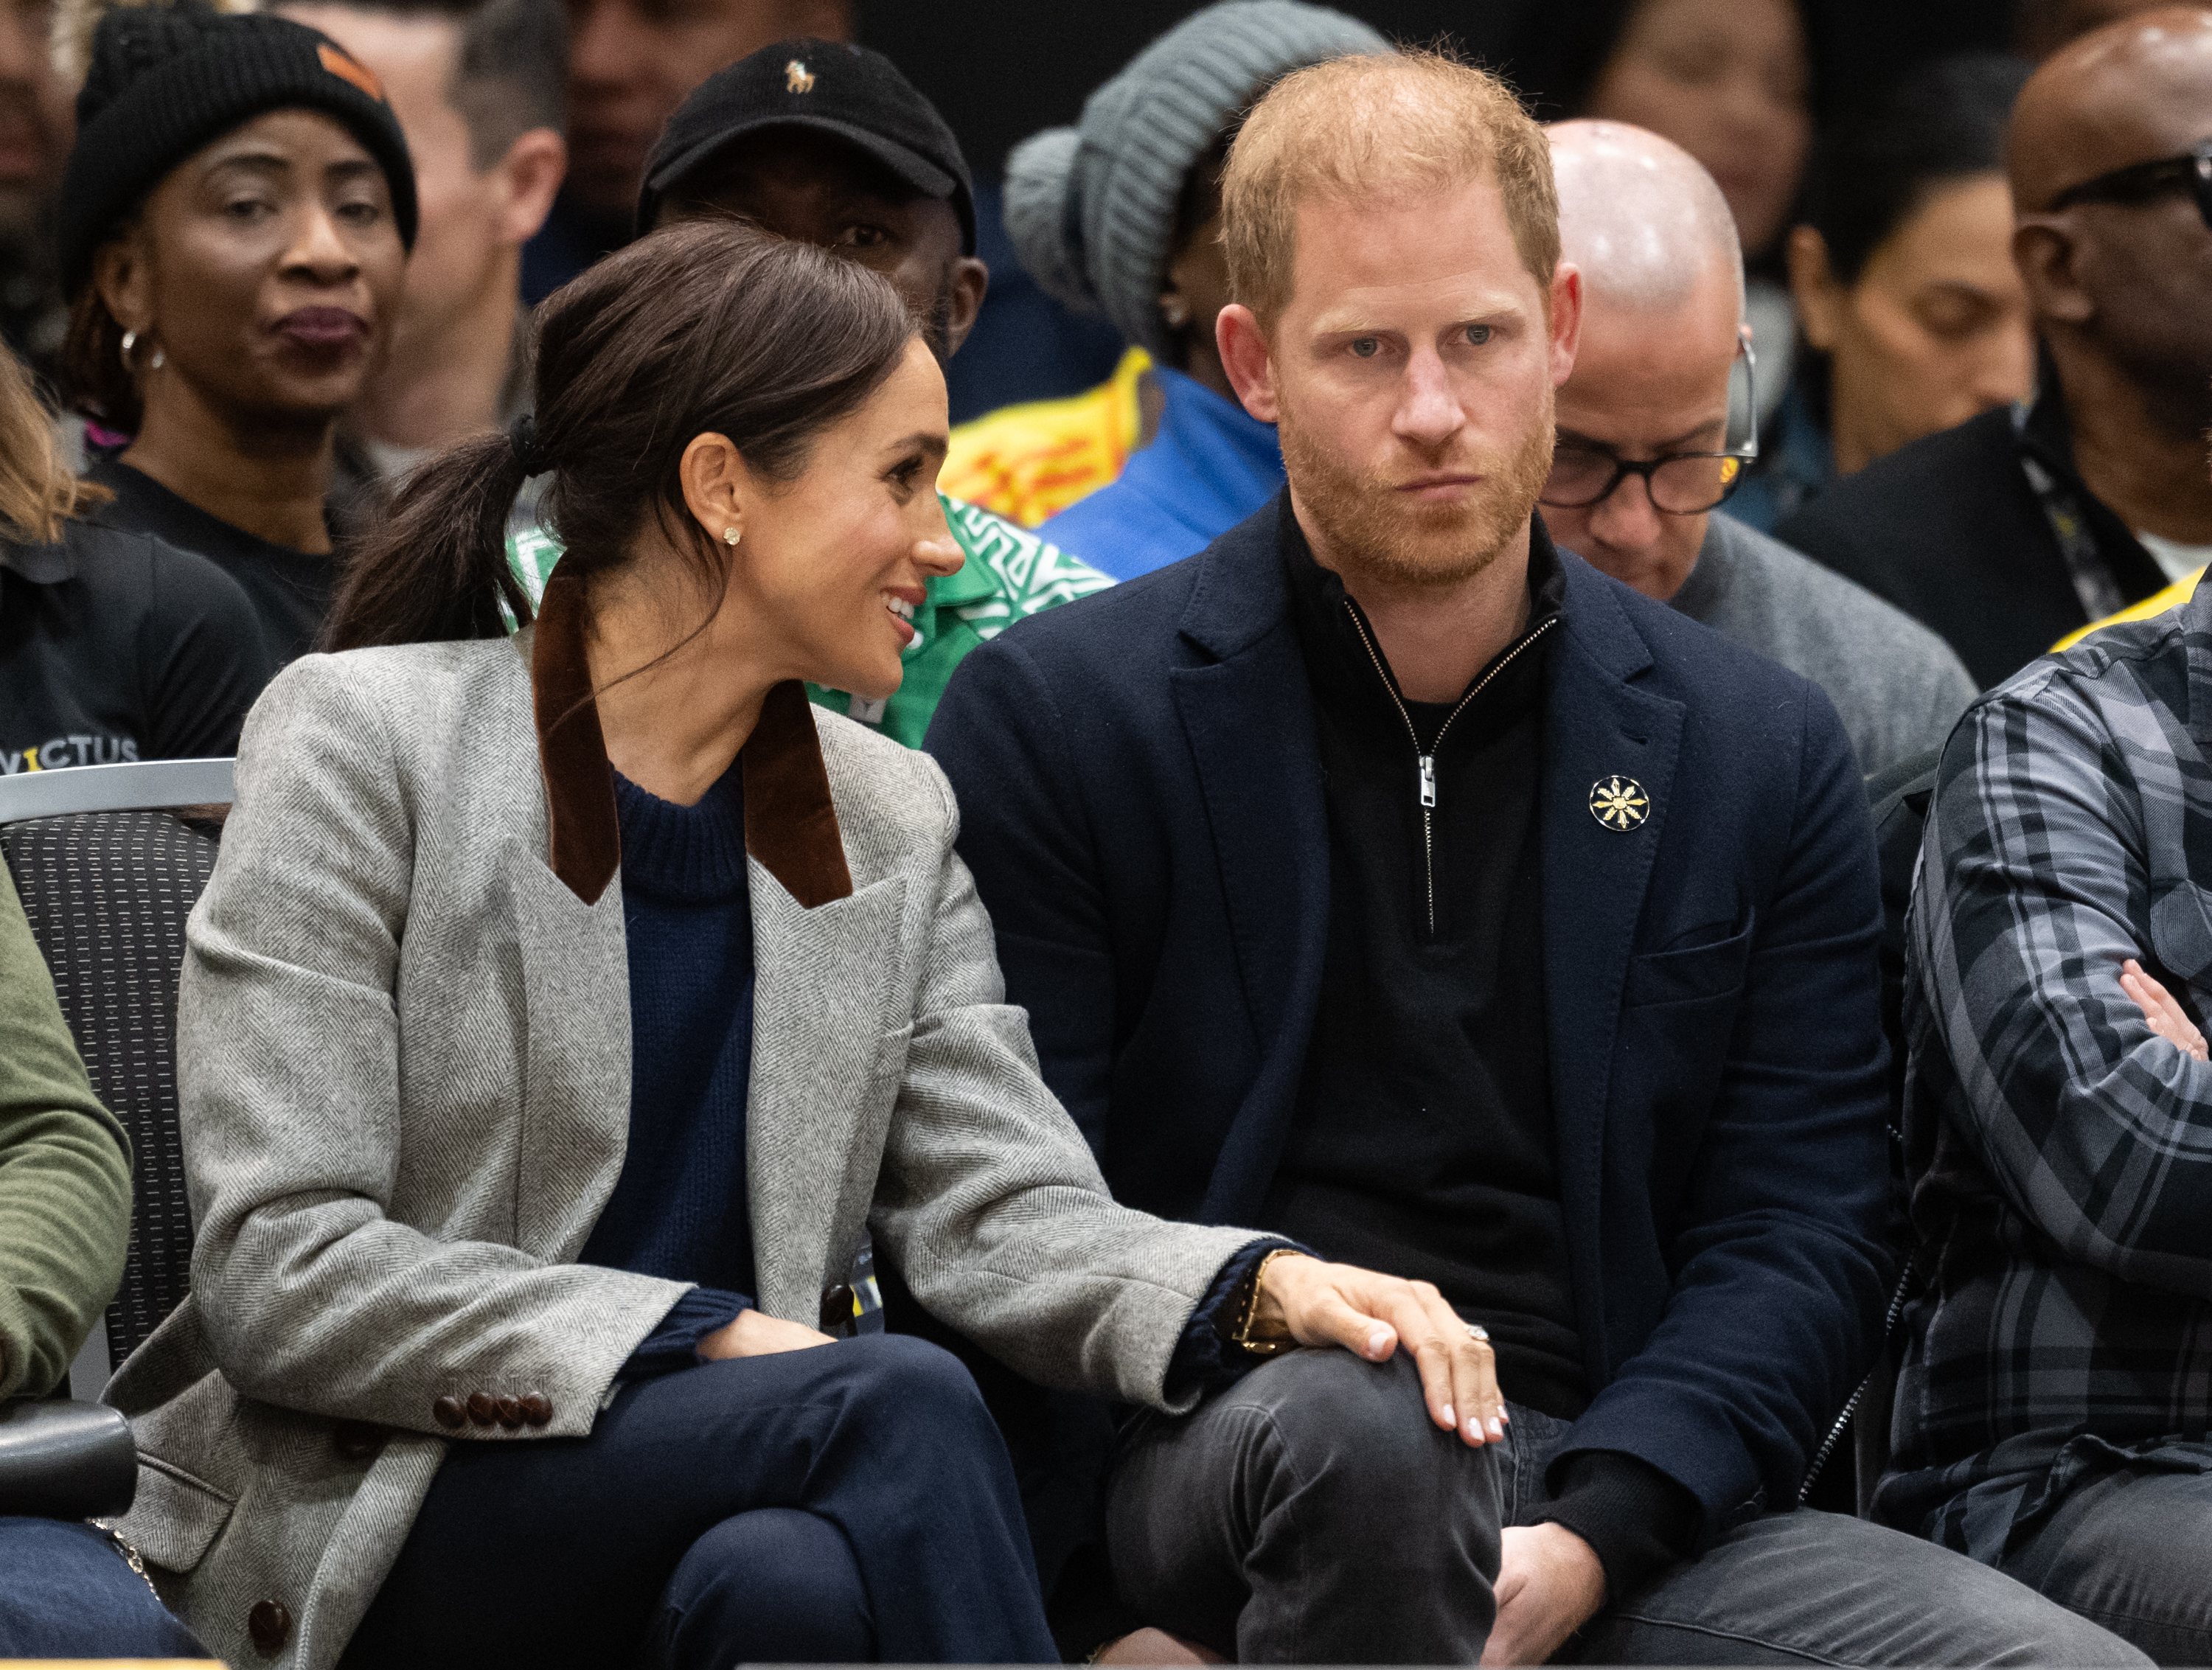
{"type": "Point", "coordinates": [2093, 585]}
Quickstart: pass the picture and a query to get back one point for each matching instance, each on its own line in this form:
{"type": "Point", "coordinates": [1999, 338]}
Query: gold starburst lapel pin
{"type": "Point", "coordinates": [1618, 803]}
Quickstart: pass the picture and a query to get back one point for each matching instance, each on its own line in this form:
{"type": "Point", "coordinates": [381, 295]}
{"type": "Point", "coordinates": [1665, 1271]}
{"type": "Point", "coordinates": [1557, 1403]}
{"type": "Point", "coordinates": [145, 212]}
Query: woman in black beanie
{"type": "Point", "coordinates": [235, 224]}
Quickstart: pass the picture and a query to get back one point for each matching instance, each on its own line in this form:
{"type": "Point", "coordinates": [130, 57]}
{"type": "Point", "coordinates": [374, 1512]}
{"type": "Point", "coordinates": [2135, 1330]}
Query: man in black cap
{"type": "Point", "coordinates": [831, 144]}
{"type": "Point", "coordinates": [827, 143]}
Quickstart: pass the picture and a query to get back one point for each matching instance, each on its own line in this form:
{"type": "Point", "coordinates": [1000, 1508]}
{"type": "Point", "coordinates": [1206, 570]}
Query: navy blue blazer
{"type": "Point", "coordinates": [1140, 790]}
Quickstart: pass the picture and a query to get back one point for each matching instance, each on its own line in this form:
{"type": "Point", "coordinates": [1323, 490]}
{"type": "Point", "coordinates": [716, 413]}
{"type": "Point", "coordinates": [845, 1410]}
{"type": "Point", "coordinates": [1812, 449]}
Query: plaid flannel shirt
{"type": "Point", "coordinates": [2060, 1151]}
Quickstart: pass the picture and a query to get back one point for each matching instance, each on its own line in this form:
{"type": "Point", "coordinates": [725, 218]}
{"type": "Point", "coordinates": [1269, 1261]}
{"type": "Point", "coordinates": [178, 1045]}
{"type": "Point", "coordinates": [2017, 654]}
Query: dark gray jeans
{"type": "Point", "coordinates": [1312, 1514]}
{"type": "Point", "coordinates": [2130, 1548]}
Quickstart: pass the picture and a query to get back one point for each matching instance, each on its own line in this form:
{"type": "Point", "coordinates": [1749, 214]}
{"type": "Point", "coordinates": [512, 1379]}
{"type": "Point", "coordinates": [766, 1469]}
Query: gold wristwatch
{"type": "Point", "coordinates": [1276, 1339]}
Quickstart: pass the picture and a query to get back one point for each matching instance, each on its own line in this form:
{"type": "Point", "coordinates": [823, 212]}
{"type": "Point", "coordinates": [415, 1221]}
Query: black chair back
{"type": "Point", "coordinates": [107, 894]}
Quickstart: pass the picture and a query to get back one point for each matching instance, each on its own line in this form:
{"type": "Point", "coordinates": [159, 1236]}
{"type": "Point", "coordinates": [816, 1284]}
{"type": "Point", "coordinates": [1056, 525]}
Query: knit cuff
{"type": "Point", "coordinates": [1635, 1518]}
{"type": "Point", "coordinates": [674, 1344]}
{"type": "Point", "coordinates": [1206, 1355]}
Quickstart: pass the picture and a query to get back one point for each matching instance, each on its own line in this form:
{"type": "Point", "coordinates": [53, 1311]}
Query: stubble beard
{"type": "Point", "coordinates": [1370, 527]}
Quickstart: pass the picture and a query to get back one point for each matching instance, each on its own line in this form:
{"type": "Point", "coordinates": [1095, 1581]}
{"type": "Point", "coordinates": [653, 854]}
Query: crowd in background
{"type": "Point", "coordinates": [1882, 302]}
{"type": "Point", "coordinates": [315, 311]}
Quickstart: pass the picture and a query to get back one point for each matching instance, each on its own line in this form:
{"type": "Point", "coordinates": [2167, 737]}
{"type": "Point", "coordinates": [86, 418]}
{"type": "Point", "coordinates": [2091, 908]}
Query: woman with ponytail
{"type": "Point", "coordinates": [569, 1015]}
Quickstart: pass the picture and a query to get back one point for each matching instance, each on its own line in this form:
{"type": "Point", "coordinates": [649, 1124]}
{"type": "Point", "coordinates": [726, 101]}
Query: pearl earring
{"type": "Point", "coordinates": [130, 343]}
{"type": "Point", "coordinates": [730, 534]}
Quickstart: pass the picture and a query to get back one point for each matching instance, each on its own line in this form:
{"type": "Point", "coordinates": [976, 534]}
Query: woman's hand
{"type": "Point", "coordinates": [1372, 1315]}
{"type": "Point", "coordinates": [2167, 1018]}
{"type": "Point", "coordinates": [756, 1333]}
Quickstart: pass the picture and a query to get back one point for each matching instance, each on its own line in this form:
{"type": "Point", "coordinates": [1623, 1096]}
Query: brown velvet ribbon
{"type": "Point", "coordinates": [791, 822]}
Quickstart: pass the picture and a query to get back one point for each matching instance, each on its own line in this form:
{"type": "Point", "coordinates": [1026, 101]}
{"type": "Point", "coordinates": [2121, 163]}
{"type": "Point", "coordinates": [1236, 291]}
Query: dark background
{"type": "Point", "coordinates": [1001, 69]}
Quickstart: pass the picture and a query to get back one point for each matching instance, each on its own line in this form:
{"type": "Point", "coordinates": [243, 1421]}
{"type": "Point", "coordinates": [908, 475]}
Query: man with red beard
{"type": "Point", "coordinates": [1385, 877]}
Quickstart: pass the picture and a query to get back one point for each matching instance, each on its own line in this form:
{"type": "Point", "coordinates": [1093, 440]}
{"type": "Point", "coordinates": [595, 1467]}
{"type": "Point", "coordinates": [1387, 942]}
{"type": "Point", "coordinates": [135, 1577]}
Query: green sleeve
{"type": "Point", "coordinates": [64, 1173]}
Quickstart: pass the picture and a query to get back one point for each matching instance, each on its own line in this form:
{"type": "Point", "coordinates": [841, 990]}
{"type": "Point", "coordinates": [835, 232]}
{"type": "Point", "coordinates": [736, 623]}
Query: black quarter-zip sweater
{"type": "Point", "coordinates": [1423, 1142]}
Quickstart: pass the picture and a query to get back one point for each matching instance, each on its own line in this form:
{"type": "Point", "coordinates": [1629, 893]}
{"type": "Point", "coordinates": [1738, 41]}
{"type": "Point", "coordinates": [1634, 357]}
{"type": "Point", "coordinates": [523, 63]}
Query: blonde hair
{"type": "Point", "coordinates": [1357, 129]}
{"type": "Point", "coordinates": [38, 492]}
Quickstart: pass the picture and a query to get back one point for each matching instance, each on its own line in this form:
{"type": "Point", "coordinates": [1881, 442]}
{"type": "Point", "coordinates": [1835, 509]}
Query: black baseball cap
{"type": "Point", "coordinates": [843, 90]}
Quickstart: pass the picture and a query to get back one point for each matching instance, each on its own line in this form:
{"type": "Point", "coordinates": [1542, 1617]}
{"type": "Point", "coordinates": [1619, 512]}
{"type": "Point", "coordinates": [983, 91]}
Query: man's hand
{"type": "Point", "coordinates": [1150, 1646]}
{"type": "Point", "coordinates": [1549, 1584]}
{"type": "Point", "coordinates": [2167, 1018]}
{"type": "Point", "coordinates": [1372, 1315]}
{"type": "Point", "coordinates": [757, 1334]}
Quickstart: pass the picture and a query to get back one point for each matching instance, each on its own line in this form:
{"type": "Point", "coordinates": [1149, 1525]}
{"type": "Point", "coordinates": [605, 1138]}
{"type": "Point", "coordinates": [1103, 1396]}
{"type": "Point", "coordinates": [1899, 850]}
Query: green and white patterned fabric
{"type": "Point", "coordinates": [1010, 574]}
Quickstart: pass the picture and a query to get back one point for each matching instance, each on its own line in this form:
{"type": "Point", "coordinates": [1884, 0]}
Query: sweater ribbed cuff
{"type": "Point", "coordinates": [1207, 1354]}
{"type": "Point", "coordinates": [674, 1342]}
{"type": "Point", "coordinates": [1635, 1520]}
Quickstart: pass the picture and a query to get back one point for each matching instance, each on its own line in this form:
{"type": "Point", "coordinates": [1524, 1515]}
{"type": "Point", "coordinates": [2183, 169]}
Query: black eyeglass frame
{"type": "Point", "coordinates": [1746, 456]}
{"type": "Point", "coordinates": [2140, 182]}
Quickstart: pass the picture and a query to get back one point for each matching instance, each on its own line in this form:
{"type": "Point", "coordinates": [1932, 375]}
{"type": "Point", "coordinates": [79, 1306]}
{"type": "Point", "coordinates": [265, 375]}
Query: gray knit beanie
{"type": "Point", "coordinates": [1091, 208]}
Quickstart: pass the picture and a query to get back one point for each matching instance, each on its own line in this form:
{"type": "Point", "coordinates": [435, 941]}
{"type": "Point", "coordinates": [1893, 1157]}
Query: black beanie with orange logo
{"type": "Point", "coordinates": [165, 80]}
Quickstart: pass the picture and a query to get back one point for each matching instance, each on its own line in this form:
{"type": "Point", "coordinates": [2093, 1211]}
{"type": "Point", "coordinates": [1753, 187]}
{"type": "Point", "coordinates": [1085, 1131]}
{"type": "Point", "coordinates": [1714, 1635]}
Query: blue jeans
{"type": "Point", "coordinates": [67, 1592]}
{"type": "Point", "coordinates": [843, 1503]}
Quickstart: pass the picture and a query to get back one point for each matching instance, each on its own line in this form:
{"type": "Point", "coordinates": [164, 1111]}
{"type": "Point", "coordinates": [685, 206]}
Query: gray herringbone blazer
{"type": "Point", "coordinates": [405, 1057]}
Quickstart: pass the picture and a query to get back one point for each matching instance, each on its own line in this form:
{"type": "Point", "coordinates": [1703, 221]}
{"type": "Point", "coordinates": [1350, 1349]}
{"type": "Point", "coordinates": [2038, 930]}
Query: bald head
{"type": "Point", "coordinates": [1639, 215]}
{"type": "Point", "coordinates": [1663, 293]}
{"type": "Point", "coordinates": [2120, 278]}
{"type": "Point", "coordinates": [2045, 26]}
{"type": "Point", "coordinates": [2131, 92]}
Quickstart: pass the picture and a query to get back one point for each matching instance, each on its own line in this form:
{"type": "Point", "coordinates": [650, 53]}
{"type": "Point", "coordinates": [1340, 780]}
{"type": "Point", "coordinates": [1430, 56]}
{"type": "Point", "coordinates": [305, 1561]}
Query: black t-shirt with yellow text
{"type": "Point", "coordinates": [115, 646]}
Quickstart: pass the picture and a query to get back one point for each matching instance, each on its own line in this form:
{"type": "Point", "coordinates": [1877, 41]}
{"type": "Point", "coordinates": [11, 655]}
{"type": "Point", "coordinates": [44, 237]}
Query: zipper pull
{"type": "Point", "coordinates": [1428, 779]}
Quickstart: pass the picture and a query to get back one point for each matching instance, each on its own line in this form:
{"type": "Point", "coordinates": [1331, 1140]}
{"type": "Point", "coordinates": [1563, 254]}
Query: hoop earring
{"type": "Point", "coordinates": [731, 534]}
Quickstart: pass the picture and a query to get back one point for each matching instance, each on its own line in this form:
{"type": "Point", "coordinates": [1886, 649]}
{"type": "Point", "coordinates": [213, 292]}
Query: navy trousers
{"type": "Point", "coordinates": [67, 1592]}
{"type": "Point", "coordinates": [848, 1502]}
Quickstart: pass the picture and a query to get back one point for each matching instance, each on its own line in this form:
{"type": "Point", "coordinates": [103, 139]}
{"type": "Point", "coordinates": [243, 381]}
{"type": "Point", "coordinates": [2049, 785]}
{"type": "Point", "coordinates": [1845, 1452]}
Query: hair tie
{"type": "Point", "coordinates": [523, 438]}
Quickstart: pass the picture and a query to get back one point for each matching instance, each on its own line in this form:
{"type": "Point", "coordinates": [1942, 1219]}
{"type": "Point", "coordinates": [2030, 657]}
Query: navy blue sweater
{"type": "Point", "coordinates": [678, 1209]}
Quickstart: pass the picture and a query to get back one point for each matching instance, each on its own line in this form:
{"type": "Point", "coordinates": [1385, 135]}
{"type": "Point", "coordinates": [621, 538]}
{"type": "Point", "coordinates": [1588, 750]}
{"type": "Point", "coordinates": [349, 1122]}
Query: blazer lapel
{"type": "Point", "coordinates": [1599, 727]}
{"type": "Point", "coordinates": [821, 959]}
{"type": "Point", "coordinates": [577, 1073]}
{"type": "Point", "coordinates": [819, 1099]}
{"type": "Point", "coordinates": [1248, 718]}
{"type": "Point", "coordinates": [583, 839]}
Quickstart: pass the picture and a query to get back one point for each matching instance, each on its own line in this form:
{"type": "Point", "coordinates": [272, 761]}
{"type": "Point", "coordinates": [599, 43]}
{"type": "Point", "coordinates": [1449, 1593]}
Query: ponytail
{"type": "Point", "coordinates": [709, 327]}
{"type": "Point", "coordinates": [436, 567]}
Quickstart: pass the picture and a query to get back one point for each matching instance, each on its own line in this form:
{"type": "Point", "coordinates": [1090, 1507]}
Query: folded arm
{"type": "Point", "coordinates": [2037, 890]}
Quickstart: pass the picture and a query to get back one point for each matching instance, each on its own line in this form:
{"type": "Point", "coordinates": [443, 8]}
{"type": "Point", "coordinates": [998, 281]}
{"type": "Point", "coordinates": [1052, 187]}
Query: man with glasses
{"type": "Point", "coordinates": [1387, 876]}
{"type": "Point", "coordinates": [1646, 454]}
{"type": "Point", "coordinates": [2015, 528]}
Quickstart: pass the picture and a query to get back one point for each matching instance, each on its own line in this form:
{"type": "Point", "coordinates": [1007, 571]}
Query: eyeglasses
{"type": "Point", "coordinates": [1679, 483]}
{"type": "Point", "coordinates": [2141, 182]}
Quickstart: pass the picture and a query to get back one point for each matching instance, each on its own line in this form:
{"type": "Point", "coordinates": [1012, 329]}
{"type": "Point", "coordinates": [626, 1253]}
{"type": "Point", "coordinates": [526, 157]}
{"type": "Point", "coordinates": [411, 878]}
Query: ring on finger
{"type": "Point", "coordinates": [1476, 1331]}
